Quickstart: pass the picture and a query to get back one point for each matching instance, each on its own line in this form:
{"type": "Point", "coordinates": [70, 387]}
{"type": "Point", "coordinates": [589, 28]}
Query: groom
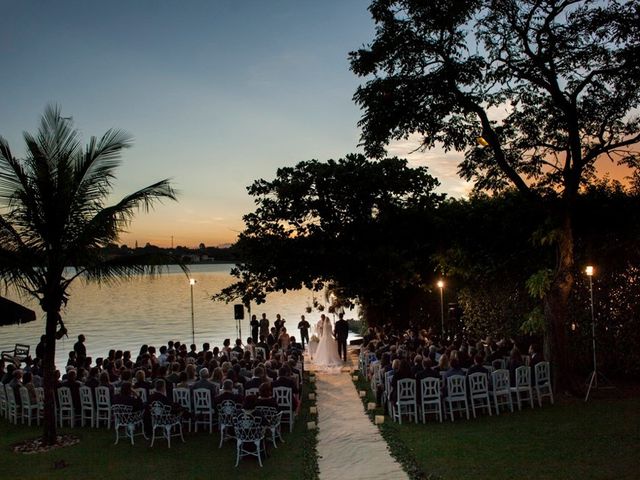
{"type": "Point", "coordinates": [341, 332]}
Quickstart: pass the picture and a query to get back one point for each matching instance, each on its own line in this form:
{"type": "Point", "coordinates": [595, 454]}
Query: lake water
{"type": "Point", "coordinates": [152, 311]}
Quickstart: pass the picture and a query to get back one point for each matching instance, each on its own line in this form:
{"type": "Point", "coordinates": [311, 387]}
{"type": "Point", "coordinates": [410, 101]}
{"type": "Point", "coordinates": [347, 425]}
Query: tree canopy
{"type": "Point", "coordinates": [351, 222]}
{"type": "Point", "coordinates": [534, 92]}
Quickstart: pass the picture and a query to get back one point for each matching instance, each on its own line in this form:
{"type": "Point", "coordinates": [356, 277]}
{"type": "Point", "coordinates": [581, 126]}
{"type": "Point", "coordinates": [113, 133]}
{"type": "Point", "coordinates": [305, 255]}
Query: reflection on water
{"type": "Point", "coordinates": [152, 311]}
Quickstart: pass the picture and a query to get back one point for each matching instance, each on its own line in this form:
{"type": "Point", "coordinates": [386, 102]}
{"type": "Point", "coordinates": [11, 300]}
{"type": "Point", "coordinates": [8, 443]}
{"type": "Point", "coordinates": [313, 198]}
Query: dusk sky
{"type": "Point", "coordinates": [215, 93]}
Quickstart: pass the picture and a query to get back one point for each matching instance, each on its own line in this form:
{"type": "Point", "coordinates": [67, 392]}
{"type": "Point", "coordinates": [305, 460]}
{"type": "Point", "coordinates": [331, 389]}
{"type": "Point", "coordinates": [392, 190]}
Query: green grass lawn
{"type": "Point", "coordinates": [571, 440]}
{"type": "Point", "coordinates": [96, 457]}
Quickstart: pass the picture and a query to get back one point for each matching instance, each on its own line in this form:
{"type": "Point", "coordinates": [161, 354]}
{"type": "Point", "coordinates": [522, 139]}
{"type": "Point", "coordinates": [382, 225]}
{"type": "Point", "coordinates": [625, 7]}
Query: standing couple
{"type": "Point", "coordinates": [333, 342]}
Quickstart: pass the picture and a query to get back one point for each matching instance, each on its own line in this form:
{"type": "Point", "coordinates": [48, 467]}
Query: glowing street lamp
{"type": "Point", "coordinates": [441, 287]}
{"type": "Point", "coordinates": [192, 282]}
{"type": "Point", "coordinates": [593, 381]}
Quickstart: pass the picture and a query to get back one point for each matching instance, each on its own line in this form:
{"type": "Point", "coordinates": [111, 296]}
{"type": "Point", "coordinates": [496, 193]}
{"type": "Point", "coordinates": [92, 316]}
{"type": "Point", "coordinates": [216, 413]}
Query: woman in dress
{"type": "Point", "coordinates": [327, 352]}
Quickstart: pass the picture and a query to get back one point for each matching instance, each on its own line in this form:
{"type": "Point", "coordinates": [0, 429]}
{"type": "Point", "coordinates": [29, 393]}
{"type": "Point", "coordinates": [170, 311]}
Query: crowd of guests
{"type": "Point", "coordinates": [417, 354]}
{"type": "Point", "coordinates": [227, 371]}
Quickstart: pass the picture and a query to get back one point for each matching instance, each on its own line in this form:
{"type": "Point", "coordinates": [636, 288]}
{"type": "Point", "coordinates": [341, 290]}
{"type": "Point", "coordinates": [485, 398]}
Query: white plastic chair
{"type": "Point", "coordinates": [87, 409]}
{"type": "Point", "coordinates": [227, 411]}
{"type": "Point", "coordinates": [182, 396]}
{"type": "Point", "coordinates": [479, 392]}
{"type": "Point", "coordinates": [103, 406]}
{"type": "Point", "coordinates": [284, 399]}
{"type": "Point", "coordinates": [13, 412]}
{"type": "Point", "coordinates": [163, 419]}
{"type": "Point", "coordinates": [40, 402]}
{"type": "Point", "coordinates": [125, 417]}
{"type": "Point", "coordinates": [386, 394]}
{"type": "Point", "coordinates": [65, 406]}
{"type": "Point", "coordinates": [457, 395]}
{"type": "Point", "coordinates": [406, 400]}
{"type": "Point", "coordinates": [273, 419]}
{"type": "Point", "coordinates": [430, 400]}
{"type": "Point", "coordinates": [501, 389]}
{"type": "Point", "coordinates": [249, 430]}
{"type": "Point", "coordinates": [203, 408]}
{"type": "Point", "coordinates": [543, 388]}
{"type": "Point", "coordinates": [3, 401]}
{"type": "Point", "coordinates": [28, 409]}
{"type": "Point", "coordinates": [522, 388]}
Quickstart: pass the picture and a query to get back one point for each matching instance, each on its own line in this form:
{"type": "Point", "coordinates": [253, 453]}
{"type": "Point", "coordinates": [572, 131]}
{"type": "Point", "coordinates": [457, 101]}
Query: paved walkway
{"type": "Point", "coordinates": [349, 444]}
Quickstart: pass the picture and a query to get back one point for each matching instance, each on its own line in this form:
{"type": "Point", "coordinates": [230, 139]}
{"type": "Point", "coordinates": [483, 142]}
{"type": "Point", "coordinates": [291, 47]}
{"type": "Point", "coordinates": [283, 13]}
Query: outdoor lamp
{"type": "Point", "coordinates": [589, 270]}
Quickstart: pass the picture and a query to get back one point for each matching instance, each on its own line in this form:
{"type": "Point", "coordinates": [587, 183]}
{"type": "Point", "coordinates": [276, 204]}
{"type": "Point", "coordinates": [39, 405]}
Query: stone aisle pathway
{"type": "Point", "coordinates": [349, 444]}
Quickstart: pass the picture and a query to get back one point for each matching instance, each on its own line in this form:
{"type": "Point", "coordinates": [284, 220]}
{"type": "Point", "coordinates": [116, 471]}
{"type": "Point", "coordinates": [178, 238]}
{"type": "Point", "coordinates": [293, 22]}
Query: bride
{"type": "Point", "coordinates": [327, 352]}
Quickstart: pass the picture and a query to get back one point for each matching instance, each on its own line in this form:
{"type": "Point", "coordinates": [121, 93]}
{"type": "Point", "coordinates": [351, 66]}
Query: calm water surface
{"type": "Point", "coordinates": [153, 311]}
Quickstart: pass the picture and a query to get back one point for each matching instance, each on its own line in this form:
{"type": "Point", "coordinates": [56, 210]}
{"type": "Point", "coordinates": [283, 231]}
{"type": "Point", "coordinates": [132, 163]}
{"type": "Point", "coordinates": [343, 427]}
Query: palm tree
{"type": "Point", "coordinates": [53, 216]}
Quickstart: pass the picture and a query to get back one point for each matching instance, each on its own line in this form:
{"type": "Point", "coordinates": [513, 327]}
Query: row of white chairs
{"type": "Point", "coordinates": [474, 390]}
{"type": "Point", "coordinates": [26, 410]}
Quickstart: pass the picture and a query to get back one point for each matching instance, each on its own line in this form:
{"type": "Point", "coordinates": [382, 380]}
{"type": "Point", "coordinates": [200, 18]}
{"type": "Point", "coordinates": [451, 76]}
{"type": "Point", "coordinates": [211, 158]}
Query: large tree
{"type": "Point", "coordinates": [547, 87]}
{"type": "Point", "coordinates": [53, 216]}
{"type": "Point", "coordinates": [362, 225]}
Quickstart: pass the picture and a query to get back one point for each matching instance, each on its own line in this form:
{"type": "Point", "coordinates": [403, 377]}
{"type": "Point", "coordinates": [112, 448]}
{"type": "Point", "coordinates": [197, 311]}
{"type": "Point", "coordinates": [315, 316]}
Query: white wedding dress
{"type": "Point", "coordinates": [326, 356]}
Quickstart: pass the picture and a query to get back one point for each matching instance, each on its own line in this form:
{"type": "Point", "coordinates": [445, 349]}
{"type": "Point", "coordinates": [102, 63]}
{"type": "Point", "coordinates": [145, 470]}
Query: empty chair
{"type": "Point", "coordinates": [65, 406]}
{"type": "Point", "coordinates": [227, 411]}
{"type": "Point", "coordinates": [249, 431]}
{"type": "Point", "coordinates": [272, 419]}
{"type": "Point", "coordinates": [542, 375]}
{"type": "Point", "coordinates": [125, 417]}
{"type": "Point", "coordinates": [28, 409]}
{"type": "Point", "coordinates": [13, 412]}
{"type": "Point", "coordinates": [375, 376]}
{"type": "Point", "coordinates": [406, 400]}
{"type": "Point", "coordinates": [430, 401]}
{"type": "Point", "coordinates": [284, 399]}
{"type": "Point", "coordinates": [479, 392]}
{"type": "Point", "coordinates": [182, 396]}
{"type": "Point", "coordinates": [87, 409]}
{"type": "Point", "coordinates": [203, 408]}
{"type": "Point", "coordinates": [456, 399]}
{"type": "Point", "coordinates": [103, 406]}
{"type": "Point", "coordinates": [522, 388]}
{"type": "Point", "coordinates": [501, 389]}
{"type": "Point", "coordinates": [163, 419]}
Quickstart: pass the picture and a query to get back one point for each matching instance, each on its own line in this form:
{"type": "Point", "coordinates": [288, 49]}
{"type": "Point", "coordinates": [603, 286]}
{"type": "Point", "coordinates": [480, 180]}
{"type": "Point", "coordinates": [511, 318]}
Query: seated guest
{"type": "Point", "coordinates": [141, 381]}
{"type": "Point", "coordinates": [204, 382]}
{"type": "Point", "coordinates": [183, 381]}
{"type": "Point", "coordinates": [417, 365]}
{"type": "Point", "coordinates": [265, 396]}
{"type": "Point", "coordinates": [259, 377]}
{"type": "Point", "coordinates": [74, 385]}
{"type": "Point", "coordinates": [477, 366]}
{"type": "Point", "coordinates": [15, 384]}
{"type": "Point", "coordinates": [515, 361]}
{"type": "Point", "coordinates": [227, 394]}
{"type": "Point", "coordinates": [104, 382]}
{"type": "Point", "coordinates": [404, 371]}
{"type": "Point", "coordinates": [453, 371]}
{"type": "Point", "coordinates": [284, 380]}
{"type": "Point", "coordinates": [263, 344]}
{"type": "Point", "coordinates": [128, 397]}
{"type": "Point", "coordinates": [27, 382]}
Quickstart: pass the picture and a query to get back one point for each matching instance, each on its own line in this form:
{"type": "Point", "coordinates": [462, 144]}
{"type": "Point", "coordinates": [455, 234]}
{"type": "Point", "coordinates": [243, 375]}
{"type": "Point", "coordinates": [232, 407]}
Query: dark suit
{"type": "Point", "coordinates": [204, 383]}
{"type": "Point", "coordinates": [342, 332]}
{"type": "Point", "coordinates": [238, 399]}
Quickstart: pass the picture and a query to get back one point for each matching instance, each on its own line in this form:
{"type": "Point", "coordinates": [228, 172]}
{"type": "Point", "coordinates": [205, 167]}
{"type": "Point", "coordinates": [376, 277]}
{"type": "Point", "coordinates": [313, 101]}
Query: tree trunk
{"type": "Point", "coordinates": [50, 433]}
{"type": "Point", "coordinates": [556, 309]}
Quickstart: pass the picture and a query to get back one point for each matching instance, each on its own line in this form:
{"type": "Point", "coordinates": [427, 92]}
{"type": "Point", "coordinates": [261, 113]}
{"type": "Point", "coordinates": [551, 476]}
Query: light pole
{"type": "Point", "coordinates": [192, 282]}
{"type": "Point", "coordinates": [441, 287]}
{"type": "Point", "coordinates": [593, 381]}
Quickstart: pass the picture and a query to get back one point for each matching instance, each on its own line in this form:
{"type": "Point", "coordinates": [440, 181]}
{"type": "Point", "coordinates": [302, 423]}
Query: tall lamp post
{"type": "Point", "coordinates": [192, 282]}
{"type": "Point", "coordinates": [441, 287]}
{"type": "Point", "coordinates": [593, 381]}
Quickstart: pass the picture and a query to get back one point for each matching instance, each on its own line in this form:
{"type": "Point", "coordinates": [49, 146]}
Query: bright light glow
{"type": "Point", "coordinates": [589, 270]}
{"type": "Point", "coordinates": [440, 284]}
{"type": "Point", "coordinates": [481, 141]}
{"type": "Point", "coordinates": [192, 281]}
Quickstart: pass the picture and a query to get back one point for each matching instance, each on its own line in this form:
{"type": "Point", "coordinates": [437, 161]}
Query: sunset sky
{"type": "Point", "coordinates": [216, 94]}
